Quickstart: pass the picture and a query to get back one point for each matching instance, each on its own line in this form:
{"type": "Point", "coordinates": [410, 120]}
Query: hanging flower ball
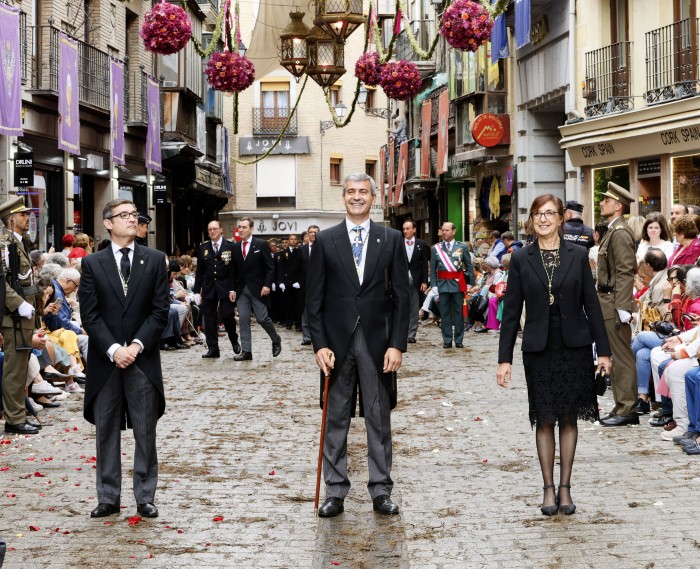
{"type": "Point", "coordinates": [229, 72]}
{"type": "Point", "coordinates": [466, 25]}
{"type": "Point", "coordinates": [368, 68]}
{"type": "Point", "coordinates": [400, 80]}
{"type": "Point", "coordinates": [166, 29]}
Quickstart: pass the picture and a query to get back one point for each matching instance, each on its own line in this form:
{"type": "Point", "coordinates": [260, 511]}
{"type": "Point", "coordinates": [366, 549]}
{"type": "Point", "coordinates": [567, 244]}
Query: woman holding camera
{"type": "Point", "coordinates": [552, 278]}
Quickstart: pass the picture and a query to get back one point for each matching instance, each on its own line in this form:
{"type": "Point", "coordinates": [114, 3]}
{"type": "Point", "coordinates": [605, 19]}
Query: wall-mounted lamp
{"type": "Point", "coordinates": [362, 101]}
{"type": "Point", "coordinates": [340, 110]}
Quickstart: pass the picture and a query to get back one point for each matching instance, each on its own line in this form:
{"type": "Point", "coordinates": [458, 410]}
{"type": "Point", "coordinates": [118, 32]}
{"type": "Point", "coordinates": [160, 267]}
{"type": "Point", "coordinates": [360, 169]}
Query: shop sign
{"type": "Point", "coordinates": [280, 226]}
{"type": "Point", "coordinates": [376, 212]}
{"type": "Point", "coordinates": [208, 179]}
{"type": "Point", "coordinates": [649, 168]}
{"type": "Point", "coordinates": [252, 145]}
{"type": "Point", "coordinates": [457, 169]}
{"type": "Point", "coordinates": [160, 191]}
{"type": "Point", "coordinates": [488, 130]}
{"type": "Point", "coordinates": [24, 169]}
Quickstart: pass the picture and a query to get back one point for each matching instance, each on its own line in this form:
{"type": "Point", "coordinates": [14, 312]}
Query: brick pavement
{"type": "Point", "coordinates": [465, 469]}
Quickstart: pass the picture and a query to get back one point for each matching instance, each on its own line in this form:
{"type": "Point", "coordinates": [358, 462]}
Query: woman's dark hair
{"type": "Point", "coordinates": [601, 229]}
{"type": "Point", "coordinates": [686, 226]}
{"type": "Point", "coordinates": [656, 217]}
{"type": "Point", "coordinates": [681, 271]}
{"type": "Point", "coordinates": [104, 244]}
{"type": "Point", "coordinates": [539, 201]}
{"type": "Point", "coordinates": [42, 285]}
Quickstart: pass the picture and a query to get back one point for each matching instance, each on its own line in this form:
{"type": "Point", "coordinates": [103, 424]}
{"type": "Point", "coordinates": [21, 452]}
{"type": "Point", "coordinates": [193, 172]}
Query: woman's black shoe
{"type": "Point", "coordinates": [661, 421]}
{"type": "Point", "coordinates": [51, 376]}
{"type": "Point", "coordinates": [549, 510]}
{"type": "Point", "coordinates": [566, 509]}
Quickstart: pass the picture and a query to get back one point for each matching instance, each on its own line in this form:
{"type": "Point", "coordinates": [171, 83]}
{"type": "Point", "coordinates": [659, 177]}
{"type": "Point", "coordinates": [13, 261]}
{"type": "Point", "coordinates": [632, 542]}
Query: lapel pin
{"type": "Point", "coordinates": [379, 240]}
{"type": "Point", "coordinates": [142, 261]}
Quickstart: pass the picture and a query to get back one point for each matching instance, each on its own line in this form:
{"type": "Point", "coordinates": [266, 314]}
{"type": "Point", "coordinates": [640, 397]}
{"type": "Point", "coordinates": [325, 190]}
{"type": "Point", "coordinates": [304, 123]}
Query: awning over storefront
{"type": "Point", "coordinates": [662, 129]}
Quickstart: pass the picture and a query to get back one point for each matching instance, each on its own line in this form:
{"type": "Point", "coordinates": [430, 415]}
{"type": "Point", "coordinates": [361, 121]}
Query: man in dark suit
{"type": "Point", "coordinates": [418, 255]}
{"type": "Point", "coordinates": [254, 276]}
{"type": "Point", "coordinates": [215, 281]}
{"type": "Point", "coordinates": [290, 281]}
{"type": "Point", "coordinates": [305, 256]}
{"type": "Point", "coordinates": [357, 305]}
{"type": "Point", "coordinates": [124, 308]}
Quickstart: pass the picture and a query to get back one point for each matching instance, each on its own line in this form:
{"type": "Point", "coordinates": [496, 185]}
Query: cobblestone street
{"type": "Point", "coordinates": [238, 449]}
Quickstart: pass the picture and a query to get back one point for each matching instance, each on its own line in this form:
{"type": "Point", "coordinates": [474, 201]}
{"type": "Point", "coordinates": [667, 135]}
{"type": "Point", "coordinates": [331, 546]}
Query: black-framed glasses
{"type": "Point", "coordinates": [77, 285]}
{"type": "Point", "coordinates": [549, 214]}
{"type": "Point", "coordinates": [673, 278]}
{"type": "Point", "coordinates": [125, 215]}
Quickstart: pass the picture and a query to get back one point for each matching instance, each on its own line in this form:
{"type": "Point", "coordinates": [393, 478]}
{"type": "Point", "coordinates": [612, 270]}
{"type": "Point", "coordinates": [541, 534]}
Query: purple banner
{"type": "Point", "coordinates": [522, 23]}
{"type": "Point", "coordinates": [116, 106]}
{"type": "Point", "coordinates": [153, 135]}
{"type": "Point", "coordinates": [68, 113]}
{"type": "Point", "coordinates": [11, 90]}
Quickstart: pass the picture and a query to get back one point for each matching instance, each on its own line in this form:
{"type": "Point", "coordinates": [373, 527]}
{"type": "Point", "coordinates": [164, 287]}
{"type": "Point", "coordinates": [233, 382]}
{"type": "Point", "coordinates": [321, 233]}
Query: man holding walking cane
{"type": "Point", "coordinates": [357, 306]}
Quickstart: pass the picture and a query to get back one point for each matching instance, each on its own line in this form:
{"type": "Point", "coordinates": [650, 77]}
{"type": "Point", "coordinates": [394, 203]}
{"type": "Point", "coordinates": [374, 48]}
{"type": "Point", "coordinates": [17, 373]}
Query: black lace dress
{"type": "Point", "coordinates": [559, 379]}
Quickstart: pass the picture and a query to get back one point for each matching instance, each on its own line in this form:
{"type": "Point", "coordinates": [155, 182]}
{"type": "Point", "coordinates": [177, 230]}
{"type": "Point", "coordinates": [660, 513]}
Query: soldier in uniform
{"type": "Point", "coordinates": [19, 321]}
{"type": "Point", "coordinates": [450, 273]}
{"type": "Point", "coordinates": [215, 281]}
{"type": "Point", "coordinates": [574, 230]}
{"type": "Point", "coordinates": [617, 265]}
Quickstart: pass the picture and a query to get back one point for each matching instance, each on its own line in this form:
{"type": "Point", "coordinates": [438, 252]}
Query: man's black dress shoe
{"type": "Point", "coordinates": [236, 346]}
{"type": "Point", "coordinates": [459, 345]}
{"type": "Point", "coordinates": [212, 354]}
{"type": "Point", "coordinates": [103, 510]}
{"type": "Point", "coordinates": [620, 420]}
{"type": "Point", "coordinates": [661, 421]}
{"type": "Point", "coordinates": [306, 342]}
{"type": "Point", "coordinates": [243, 357]}
{"type": "Point", "coordinates": [165, 347]}
{"type": "Point", "coordinates": [331, 507]}
{"type": "Point", "coordinates": [411, 340]}
{"type": "Point", "coordinates": [147, 510]}
{"type": "Point", "coordinates": [383, 505]}
{"type": "Point", "coordinates": [79, 380]}
{"type": "Point", "coordinates": [276, 348]}
{"type": "Point", "coordinates": [447, 345]}
{"type": "Point", "coordinates": [21, 429]}
{"type": "Point", "coordinates": [181, 346]}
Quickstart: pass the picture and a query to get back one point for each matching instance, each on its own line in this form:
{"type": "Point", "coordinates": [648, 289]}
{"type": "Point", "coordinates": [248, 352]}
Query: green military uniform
{"type": "Point", "coordinates": [617, 265]}
{"type": "Point", "coordinates": [14, 375]}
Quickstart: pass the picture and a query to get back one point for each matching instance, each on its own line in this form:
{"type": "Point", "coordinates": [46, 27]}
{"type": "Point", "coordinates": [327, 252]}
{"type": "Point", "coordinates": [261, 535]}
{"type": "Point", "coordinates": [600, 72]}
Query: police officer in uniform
{"type": "Point", "coordinates": [19, 322]}
{"type": "Point", "coordinates": [617, 265]}
{"type": "Point", "coordinates": [215, 285]}
{"type": "Point", "coordinates": [142, 229]}
{"type": "Point", "coordinates": [574, 229]}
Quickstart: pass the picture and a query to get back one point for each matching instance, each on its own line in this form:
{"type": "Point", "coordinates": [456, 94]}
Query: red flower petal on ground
{"type": "Point", "coordinates": [107, 523]}
{"type": "Point", "coordinates": [31, 458]}
{"type": "Point", "coordinates": [11, 495]}
{"type": "Point", "coordinates": [335, 563]}
{"type": "Point", "coordinates": [271, 473]}
{"type": "Point", "coordinates": [181, 531]}
{"type": "Point", "coordinates": [217, 519]}
{"type": "Point", "coordinates": [133, 520]}
{"type": "Point", "coordinates": [47, 459]}
{"type": "Point", "coordinates": [66, 532]}
{"type": "Point", "coordinates": [485, 460]}
{"type": "Point", "coordinates": [4, 468]}
{"type": "Point", "coordinates": [34, 528]}
{"type": "Point", "coordinates": [6, 441]}
{"type": "Point", "coordinates": [39, 475]}
{"type": "Point", "coordinates": [478, 419]}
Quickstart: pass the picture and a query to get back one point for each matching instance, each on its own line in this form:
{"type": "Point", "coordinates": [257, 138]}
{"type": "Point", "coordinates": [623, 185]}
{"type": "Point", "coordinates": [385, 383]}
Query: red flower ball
{"type": "Point", "coordinates": [400, 80]}
{"type": "Point", "coordinates": [166, 29]}
{"type": "Point", "coordinates": [466, 25]}
{"type": "Point", "coordinates": [368, 68]}
{"type": "Point", "coordinates": [229, 72]}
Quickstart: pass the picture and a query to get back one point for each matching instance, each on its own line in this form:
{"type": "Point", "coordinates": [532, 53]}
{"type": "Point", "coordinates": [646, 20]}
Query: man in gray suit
{"type": "Point", "coordinates": [357, 305]}
{"type": "Point", "coordinates": [124, 308]}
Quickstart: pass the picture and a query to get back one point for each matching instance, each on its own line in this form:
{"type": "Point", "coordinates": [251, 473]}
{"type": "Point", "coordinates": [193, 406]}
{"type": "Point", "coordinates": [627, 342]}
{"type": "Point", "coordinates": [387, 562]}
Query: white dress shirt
{"type": "Point", "coordinates": [409, 248]}
{"type": "Point", "coordinates": [364, 234]}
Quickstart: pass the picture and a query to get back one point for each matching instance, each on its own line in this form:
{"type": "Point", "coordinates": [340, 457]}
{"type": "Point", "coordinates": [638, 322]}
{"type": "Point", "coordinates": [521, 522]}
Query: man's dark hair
{"type": "Point", "coordinates": [316, 227]}
{"type": "Point", "coordinates": [508, 236]}
{"type": "Point", "coordinates": [109, 208]}
{"type": "Point", "coordinates": [413, 223]}
{"type": "Point", "coordinates": [496, 234]}
{"type": "Point", "coordinates": [248, 219]}
{"type": "Point", "coordinates": [656, 259]}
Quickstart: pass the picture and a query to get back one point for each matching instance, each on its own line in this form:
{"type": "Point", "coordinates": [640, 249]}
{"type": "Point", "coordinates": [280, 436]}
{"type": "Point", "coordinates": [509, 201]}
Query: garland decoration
{"type": "Point", "coordinates": [466, 25]}
{"type": "Point", "coordinates": [215, 37]}
{"type": "Point", "coordinates": [368, 68]}
{"type": "Point", "coordinates": [166, 29]}
{"type": "Point", "coordinates": [400, 80]}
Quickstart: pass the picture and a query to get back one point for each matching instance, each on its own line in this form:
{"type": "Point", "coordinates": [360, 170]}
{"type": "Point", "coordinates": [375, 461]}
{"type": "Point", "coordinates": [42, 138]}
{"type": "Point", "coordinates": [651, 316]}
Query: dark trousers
{"type": "Point", "coordinates": [141, 397]}
{"type": "Point", "coordinates": [451, 315]}
{"type": "Point", "coordinates": [212, 310]}
{"type": "Point", "coordinates": [292, 307]}
{"type": "Point", "coordinates": [376, 400]}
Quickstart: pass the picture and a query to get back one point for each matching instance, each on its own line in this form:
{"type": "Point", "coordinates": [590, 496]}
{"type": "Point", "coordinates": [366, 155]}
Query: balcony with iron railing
{"type": "Point", "coordinates": [424, 32]}
{"type": "Point", "coordinates": [271, 121]}
{"type": "Point", "coordinates": [672, 62]}
{"type": "Point", "coordinates": [608, 79]}
{"type": "Point", "coordinates": [135, 95]}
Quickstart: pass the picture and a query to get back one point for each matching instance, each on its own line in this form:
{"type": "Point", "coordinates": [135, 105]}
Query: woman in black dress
{"type": "Point", "coordinates": [562, 319]}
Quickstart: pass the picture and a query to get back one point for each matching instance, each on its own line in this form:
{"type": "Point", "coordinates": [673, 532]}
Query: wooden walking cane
{"type": "Point", "coordinates": [326, 385]}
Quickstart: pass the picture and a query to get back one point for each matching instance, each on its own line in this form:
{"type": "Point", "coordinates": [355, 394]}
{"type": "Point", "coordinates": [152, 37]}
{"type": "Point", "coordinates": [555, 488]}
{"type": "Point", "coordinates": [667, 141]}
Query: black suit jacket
{"type": "Point", "coordinates": [290, 267]}
{"type": "Point", "coordinates": [215, 277]}
{"type": "Point", "coordinates": [110, 318]}
{"type": "Point", "coordinates": [335, 300]}
{"type": "Point", "coordinates": [419, 263]}
{"type": "Point", "coordinates": [581, 317]}
{"type": "Point", "coordinates": [257, 270]}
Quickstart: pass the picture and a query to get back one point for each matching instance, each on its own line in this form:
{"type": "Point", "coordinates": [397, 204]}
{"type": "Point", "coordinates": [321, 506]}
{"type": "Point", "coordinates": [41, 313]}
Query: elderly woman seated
{"type": "Point", "coordinates": [491, 273]}
{"type": "Point", "coordinates": [671, 361]}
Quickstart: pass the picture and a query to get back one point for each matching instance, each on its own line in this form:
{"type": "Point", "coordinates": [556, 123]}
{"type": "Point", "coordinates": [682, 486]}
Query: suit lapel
{"type": "Point", "coordinates": [138, 266]}
{"type": "Point", "coordinates": [565, 259]}
{"type": "Point", "coordinates": [341, 241]}
{"type": "Point", "coordinates": [373, 250]}
{"type": "Point", "coordinates": [109, 266]}
{"type": "Point", "coordinates": [535, 260]}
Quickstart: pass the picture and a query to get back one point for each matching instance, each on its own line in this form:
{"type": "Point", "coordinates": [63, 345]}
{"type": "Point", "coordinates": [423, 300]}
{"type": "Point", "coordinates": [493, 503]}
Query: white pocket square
{"type": "Point", "coordinates": [258, 251]}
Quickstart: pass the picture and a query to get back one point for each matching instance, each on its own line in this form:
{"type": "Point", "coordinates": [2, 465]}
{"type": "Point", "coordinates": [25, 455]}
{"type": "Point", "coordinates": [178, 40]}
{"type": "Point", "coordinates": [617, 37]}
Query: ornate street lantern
{"type": "Point", "coordinates": [293, 53]}
{"type": "Point", "coordinates": [326, 58]}
{"type": "Point", "coordinates": [339, 18]}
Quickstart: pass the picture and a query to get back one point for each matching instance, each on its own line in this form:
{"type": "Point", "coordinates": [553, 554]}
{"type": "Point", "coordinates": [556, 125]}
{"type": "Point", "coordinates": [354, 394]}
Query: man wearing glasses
{"type": "Point", "coordinates": [617, 265]}
{"type": "Point", "coordinates": [124, 308]}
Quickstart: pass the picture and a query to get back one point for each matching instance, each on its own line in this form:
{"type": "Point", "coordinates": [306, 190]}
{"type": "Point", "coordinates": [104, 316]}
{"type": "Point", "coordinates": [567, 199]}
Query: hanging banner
{"type": "Point", "coordinates": [116, 105]}
{"type": "Point", "coordinates": [68, 114]}
{"type": "Point", "coordinates": [153, 156]}
{"type": "Point", "coordinates": [11, 90]}
{"type": "Point", "coordinates": [522, 23]}
{"type": "Point", "coordinates": [392, 178]}
{"type": "Point", "coordinates": [401, 174]}
{"type": "Point", "coordinates": [426, 124]}
{"type": "Point", "coordinates": [499, 38]}
{"type": "Point", "coordinates": [382, 173]}
{"type": "Point", "coordinates": [443, 135]}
